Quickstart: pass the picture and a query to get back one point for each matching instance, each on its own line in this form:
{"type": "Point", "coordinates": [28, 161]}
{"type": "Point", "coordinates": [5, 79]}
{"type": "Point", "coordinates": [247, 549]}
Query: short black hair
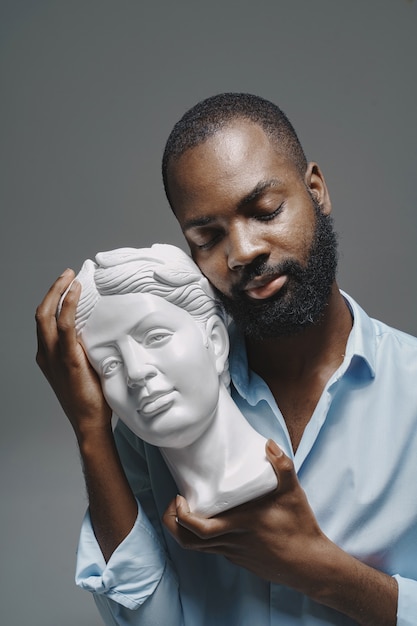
{"type": "Point", "coordinates": [208, 116]}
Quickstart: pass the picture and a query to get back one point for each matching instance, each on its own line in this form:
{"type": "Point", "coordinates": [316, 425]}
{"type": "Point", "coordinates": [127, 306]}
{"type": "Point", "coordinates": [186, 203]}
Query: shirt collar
{"type": "Point", "coordinates": [361, 345]}
{"type": "Point", "coordinates": [362, 339]}
{"type": "Point", "coordinates": [246, 382]}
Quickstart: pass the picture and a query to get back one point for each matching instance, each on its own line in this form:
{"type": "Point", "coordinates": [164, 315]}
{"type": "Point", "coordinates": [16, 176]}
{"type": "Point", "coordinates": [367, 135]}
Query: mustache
{"type": "Point", "coordinates": [259, 267]}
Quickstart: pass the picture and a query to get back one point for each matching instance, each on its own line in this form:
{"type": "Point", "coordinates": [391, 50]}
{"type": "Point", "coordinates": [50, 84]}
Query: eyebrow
{"type": "Point", "coordinates": [259, 189]}
{"type": "Point", "coordinates": [137, 327]}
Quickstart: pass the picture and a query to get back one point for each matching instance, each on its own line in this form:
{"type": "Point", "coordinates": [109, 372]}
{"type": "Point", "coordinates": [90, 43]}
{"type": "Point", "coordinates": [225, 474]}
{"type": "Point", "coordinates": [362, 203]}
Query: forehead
{"type": "Point", "coordinates": [228, 165]}
{"type": "Point", "coordinates": [117, 315]}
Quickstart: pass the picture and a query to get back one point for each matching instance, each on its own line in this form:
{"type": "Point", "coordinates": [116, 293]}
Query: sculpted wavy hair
{"type": "Point", "coordinates": [162, 270]}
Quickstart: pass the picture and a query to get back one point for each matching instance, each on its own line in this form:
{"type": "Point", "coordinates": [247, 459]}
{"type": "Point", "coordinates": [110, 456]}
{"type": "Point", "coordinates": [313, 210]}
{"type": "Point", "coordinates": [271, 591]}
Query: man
{"type": "Point", "coordinates": [337, 542]}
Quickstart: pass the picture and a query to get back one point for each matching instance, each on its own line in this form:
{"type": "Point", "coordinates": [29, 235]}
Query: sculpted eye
{"type": "Point", "coordinates": [111, 365]}
{"type": "Point", "coordinates": [156, 338]}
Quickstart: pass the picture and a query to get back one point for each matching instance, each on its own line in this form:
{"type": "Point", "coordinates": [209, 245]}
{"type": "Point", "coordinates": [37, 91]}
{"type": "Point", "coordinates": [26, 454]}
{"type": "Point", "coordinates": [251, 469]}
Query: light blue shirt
{"type": "Point", "coordinates": [357, 462]}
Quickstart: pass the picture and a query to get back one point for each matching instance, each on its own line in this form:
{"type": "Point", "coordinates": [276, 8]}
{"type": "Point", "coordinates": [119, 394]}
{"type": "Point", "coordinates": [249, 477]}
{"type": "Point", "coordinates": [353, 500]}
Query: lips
{"type": "Point", "coordinates": [155, 403]}
{"type": "Point", "coordinates": [264, 287]}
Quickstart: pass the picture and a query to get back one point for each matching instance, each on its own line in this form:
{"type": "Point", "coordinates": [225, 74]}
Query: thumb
{"type": "Point", "coordinates": [282, 465]}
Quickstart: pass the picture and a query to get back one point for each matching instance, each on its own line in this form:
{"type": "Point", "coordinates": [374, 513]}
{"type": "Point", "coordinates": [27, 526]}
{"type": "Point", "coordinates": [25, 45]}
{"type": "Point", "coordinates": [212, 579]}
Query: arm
{"type": "Point", "coordinates": [138, 584]}
{"type": "Point", "coordinates": [120, 556]}
{"type": "Point", "coordinates": [113, 507]}
{"type": "Point", "coordinates": [278, 538]}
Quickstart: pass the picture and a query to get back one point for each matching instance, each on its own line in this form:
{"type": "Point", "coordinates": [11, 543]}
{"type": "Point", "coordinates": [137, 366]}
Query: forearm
{"type": "Point", "coordinates": [347, 585]}
{"type": "Point", "coordinates": [113, 507]}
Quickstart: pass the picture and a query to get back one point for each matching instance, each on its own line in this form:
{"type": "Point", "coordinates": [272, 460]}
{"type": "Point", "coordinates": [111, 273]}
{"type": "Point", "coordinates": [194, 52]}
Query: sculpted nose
{"type": "Point", "coordinates": [245, 246]}
{"type": "Point", "coordinates": [139, 376]}
{"type": "Point", "coordinates": [137, 366]}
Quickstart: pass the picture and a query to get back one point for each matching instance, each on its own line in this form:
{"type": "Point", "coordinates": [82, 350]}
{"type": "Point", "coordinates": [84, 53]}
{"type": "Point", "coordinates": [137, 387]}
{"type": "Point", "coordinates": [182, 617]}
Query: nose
{"type": "Point", "coordinates": [138, 377]}
{"type": "Point", "coordinates": [245, 245]}
{"type": "Point", "coordinates": [138, 368]}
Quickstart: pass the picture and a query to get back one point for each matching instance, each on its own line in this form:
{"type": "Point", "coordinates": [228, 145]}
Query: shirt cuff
{"type": "Point", "coordinates": [134, 569]}
{"type": "Point", "coordinates": [407, 601]}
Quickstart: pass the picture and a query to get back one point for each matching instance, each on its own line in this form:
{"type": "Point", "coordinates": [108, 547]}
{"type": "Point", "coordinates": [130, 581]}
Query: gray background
{"type": "Point", "coordinates": [89, 92]}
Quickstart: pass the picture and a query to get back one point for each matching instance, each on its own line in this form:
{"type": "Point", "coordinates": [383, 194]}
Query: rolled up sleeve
{"type": "Point", "coordinates": [134, 570]}
{"type": "Point", "coordinates": [407, 601]}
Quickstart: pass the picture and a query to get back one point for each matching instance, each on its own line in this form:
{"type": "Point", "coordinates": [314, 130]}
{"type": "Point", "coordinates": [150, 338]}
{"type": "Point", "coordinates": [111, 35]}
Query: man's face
{"type": "Point", "coordinates": [258, 230]}
{"type": "Point", "coordinates": [156, 373]}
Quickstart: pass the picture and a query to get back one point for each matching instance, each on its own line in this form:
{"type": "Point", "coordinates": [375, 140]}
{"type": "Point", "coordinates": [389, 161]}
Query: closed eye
{"type": "Point", "coordinates": [209, 244]}
{"type": "Point", "coordinates": [206, 239]}
{"type": "Point", "coordinates": [266, 217]}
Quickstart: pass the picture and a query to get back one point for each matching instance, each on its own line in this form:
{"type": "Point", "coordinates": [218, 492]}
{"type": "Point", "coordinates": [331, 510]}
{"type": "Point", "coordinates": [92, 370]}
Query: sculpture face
{"type": "Point", "coordinates": [156, 372]}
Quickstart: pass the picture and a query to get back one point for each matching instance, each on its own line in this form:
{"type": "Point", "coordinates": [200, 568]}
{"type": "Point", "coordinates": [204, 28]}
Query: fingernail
{"type": "Point", "coordinates": [177, 504]}
{"type": "Point", "coordinates": [273, 448]}
{"type": "Point", "coordinates": [65, 272]}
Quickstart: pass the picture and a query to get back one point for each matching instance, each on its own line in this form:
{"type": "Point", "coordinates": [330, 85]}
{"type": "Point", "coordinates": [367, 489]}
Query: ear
{"type": "Point", "coordinates": [218, 341]}
{"type": "Point", "coordinates": [316, 184]}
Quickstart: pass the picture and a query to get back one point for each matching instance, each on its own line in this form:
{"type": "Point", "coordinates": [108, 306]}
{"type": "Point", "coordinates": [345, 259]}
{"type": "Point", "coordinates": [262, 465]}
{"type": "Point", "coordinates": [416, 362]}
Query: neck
{"type": "Point", "coordinates": [297, 368]}
{"type": "Point", "coordinates": [214, 472]}
{"type": "Point", "coordinates": [319, 345]}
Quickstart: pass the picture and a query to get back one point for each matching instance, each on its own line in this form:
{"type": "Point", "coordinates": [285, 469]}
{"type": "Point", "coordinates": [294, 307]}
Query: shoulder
{"type": "Point", "coordinates": [398, 338]}
{"type": "Point", "coordinates": [395, 358]}
{"type": "Point", "coordinates": [370, 329]}
{"type": "Point", "coordinates": [385, 348]}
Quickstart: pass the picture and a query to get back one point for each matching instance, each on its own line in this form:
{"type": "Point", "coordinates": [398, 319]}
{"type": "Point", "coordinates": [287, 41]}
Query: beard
{"type": "Point", "coordinates": [301, 301]}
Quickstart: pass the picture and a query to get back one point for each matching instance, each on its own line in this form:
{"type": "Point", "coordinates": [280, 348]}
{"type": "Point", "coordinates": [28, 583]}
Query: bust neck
{"type": "Point", "coordinates": [215, 472]}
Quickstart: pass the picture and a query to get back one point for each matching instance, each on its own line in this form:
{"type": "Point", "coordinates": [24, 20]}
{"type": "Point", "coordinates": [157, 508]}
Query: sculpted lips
{"type": "Point", "coordinates": [155, 403]}
{"type": "Point", "coordinates": [264, 287]}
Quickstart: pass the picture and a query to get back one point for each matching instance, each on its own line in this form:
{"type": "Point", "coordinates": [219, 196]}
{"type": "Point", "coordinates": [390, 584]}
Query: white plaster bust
{"type": "Point", "coordinates": [151, 329]}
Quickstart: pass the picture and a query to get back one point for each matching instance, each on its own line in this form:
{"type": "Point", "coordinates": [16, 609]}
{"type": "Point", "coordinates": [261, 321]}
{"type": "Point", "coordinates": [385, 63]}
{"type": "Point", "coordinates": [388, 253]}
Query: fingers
{"type": "Point", "coordinates": [204, 528]}
{"type": "Point", "coordinates": [49, 334]}
{"type": "Point", "coordinates": [46, 312]}
{"type": "Point", "coordinates": [66, 320]}
{"type": "Point", "coordinates": [283, 467]}
{"type": "Point", "coordinates": [193, 532]}
{"type": "Point", "coordinates": [185, 537]}
{"type": "Point", "coordinates": [50, 302]}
